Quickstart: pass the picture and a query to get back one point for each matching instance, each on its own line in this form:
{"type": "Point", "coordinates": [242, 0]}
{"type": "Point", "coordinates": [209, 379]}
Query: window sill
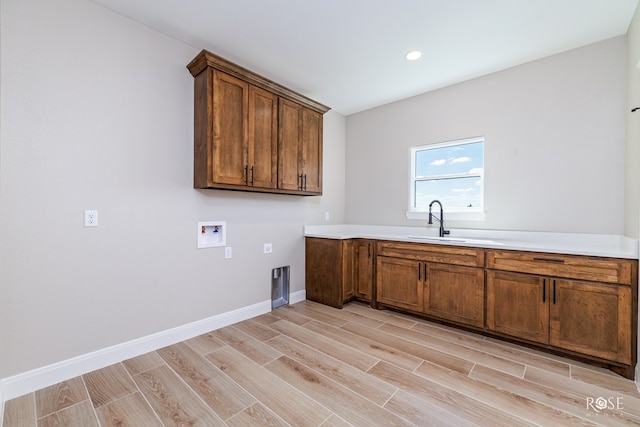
{"type": "Point", "coordinates": [450, 216]}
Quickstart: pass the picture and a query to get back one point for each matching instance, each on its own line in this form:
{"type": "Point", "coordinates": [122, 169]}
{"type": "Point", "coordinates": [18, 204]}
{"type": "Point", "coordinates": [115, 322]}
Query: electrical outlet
{"type": "Point", "coordinates": [228, 253]}
{"type": "Point", "coordinates": [327, 216]}
{"type": "Point", "coordinates": [90, 218]}
{"type": "Point", "coordinates": [268, 248]}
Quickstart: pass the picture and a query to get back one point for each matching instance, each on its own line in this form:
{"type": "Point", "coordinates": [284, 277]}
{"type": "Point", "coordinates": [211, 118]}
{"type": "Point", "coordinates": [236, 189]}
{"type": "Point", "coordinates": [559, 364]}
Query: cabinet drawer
{"type": "Point", "coordinates": [607, 270]}
{"type": "Point", "coordinates": [456, 255]}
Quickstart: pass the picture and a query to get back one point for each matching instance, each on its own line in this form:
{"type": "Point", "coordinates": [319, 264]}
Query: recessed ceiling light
{"type": "Point", "coordinates": [413, 55]}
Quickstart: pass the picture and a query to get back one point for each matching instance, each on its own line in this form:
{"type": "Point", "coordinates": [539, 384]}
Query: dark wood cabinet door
{"type": "Point", "coordinates": [299, 148]}
{"type": "Point", "coordinates": [311, 151]}
{"type": "Point", "coordinates": [399, 283]}
{"type": "Point", "coordinates": [455, 293]}
{"type": "Point", "coordinates": [289, 141]}
{"type": "Point", "coordinates": [348, 269]}
{"type": "Point", "coordinates": [518, 305]}
{"type": "Point", "coordinates": [591, 318]}
{"type": "Point", "coordinates": [324, 271]}
{"type": "Point", "coordinates": [364, 256]}
{"type": "Point", "coordinates": [262, 164]}
{"type": "Point", "coordinates": [230, 129]}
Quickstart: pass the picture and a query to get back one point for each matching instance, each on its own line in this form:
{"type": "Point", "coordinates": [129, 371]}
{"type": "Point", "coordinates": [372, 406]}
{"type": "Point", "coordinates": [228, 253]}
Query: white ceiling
{"type": "Point", "coordinates": [349, 54]}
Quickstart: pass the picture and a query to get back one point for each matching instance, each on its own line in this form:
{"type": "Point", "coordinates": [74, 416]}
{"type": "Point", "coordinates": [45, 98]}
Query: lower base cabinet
{"type": "Point", "coordinates": [449, 292]}
{"type": "Point", "coordinates": [581, 305]}
{"type": "Point", "coordinates": [328, 271]}
{"type": "Point", "coordinates": [578, 306]}
{"type": "Point", "coordinates": [588, 318]}
{"type": "Point", "coordinates": [442, 282]}
{"type": "Point", "coordinates": [337, 271]}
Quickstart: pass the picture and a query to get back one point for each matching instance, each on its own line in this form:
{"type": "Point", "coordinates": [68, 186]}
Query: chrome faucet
{"type": "Point", "coordinates": [443, 232]}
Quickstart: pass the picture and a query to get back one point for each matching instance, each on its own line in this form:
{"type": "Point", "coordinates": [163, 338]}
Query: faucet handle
{"type": "Point", "coordinates": [446, 232]}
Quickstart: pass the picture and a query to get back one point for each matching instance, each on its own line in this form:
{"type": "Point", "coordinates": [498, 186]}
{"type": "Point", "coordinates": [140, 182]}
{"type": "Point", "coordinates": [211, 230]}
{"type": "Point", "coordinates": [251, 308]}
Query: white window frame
{"type": "Point", "coordinates": [474, 214]}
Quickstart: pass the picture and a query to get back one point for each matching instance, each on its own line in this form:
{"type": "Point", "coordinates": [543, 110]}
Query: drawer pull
{"type": "Point", "coordinates": [554, 260]}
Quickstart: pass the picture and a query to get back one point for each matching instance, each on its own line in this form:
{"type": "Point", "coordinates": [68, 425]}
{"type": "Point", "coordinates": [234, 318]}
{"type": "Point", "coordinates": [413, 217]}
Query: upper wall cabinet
{"type": "Point", "coordinates": [252, 134]}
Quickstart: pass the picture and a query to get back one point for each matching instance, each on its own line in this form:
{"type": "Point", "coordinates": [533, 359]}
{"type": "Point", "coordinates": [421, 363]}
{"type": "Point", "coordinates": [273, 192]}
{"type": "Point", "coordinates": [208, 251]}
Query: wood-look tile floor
{"type": "Point", "coordinates": [311, 365]}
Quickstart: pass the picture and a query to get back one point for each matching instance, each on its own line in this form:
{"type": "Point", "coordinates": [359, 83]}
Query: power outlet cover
{"type": "Point", "coordinates": [90, 218]}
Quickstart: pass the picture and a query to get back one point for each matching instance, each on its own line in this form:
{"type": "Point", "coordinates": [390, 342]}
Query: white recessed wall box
{"type": "Point", "coordinates": [212, 234]}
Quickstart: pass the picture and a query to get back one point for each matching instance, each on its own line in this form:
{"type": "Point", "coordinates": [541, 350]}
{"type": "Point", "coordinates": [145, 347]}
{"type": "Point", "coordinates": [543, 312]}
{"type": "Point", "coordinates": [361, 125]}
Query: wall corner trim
{"type": "Point", "coordinates": [36, 379]}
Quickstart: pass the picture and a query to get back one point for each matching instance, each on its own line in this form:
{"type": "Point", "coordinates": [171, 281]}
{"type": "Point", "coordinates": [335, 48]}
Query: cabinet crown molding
{"type": "Point", "coordinates": [207, 59]}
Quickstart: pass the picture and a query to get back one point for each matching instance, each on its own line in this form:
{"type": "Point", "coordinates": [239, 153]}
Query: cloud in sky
{"type": "Point", "coordinates": [475, 171]}
{"type": "Point", "coordinates": [438, 162]}
{"type": "Point", "coordinates": [461, 159]}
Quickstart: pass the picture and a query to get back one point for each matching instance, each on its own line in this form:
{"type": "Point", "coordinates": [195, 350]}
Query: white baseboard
{"type": "Point", "coordinates": [297, 297]}
{"type": "Point", "coordinates": [36, 379]}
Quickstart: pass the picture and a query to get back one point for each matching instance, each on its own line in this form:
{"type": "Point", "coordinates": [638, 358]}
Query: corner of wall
{"type": "Point", "coordinates": [632, 195]}
{"type": "Point", "coordinates": [1, 402]}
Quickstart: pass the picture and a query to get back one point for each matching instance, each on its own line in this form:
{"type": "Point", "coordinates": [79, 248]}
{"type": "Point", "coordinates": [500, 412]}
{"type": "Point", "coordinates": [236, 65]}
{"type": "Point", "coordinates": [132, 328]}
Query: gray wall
{"type": "Point", "coordinates": [632, 216]}
{"type": "Point", "coordinates": [97, 114]}
{"type": "Point", "coordinates": [554, 144]}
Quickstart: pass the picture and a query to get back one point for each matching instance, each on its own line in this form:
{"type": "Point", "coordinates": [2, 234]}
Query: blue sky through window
{"type": "Point", "coordinates": [451, 173]}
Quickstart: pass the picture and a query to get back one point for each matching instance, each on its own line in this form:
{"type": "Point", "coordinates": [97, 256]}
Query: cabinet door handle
{"type": "Point", "coordinates": [246, 174]}
{"type": "Point", "coordinates": [305, 182]}
{"type": "Point", "coordinates": [425, 271]}
{"type": "Point", "coordinates": [554, 260]}
{"type": "Point", "coordinates": [544, 290]}
{"type": "Point", "coordinates": [554, 291]}
{"type": "Point", "coordinates": [368, 250]}
{"type": "Point", "coordinates": [251, 175]}
{"type": "Point", "coordinates": [419, 268]}
{"type": "Point", "coordinates": [300, 182]}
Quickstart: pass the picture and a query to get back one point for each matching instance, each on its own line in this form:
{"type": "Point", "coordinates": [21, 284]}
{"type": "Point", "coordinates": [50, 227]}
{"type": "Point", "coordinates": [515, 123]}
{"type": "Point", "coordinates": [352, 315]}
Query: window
{"type": "Point", "coordinates": [452, 172]}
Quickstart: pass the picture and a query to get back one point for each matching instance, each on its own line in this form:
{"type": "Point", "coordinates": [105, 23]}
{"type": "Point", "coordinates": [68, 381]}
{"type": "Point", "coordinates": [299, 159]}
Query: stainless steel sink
{"type": "Point", "coordinates": [438, 239]}
{"type": "Point", "coordinates": [452, 239]}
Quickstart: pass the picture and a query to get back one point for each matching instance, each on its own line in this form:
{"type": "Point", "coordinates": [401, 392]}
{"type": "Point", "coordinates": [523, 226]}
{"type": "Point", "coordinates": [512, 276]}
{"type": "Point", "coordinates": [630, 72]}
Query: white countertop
{"type": "Point", "coordinates": [604, 245]}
